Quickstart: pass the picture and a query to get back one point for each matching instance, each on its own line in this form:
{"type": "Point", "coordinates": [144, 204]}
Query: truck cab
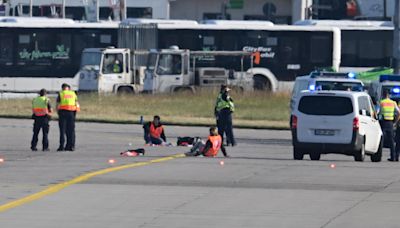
{"type": "Point", "coordinates": [107, 70]}
{"type": "Point", "coordinates": [168, 71]}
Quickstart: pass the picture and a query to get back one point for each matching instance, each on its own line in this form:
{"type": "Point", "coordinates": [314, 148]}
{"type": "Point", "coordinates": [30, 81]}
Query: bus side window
{"type": "Point", "coordinates": [6, 47]}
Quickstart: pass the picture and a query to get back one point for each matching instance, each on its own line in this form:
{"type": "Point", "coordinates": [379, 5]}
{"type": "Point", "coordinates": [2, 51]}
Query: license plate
{"type": "Point", "coordinates": [324, 132]}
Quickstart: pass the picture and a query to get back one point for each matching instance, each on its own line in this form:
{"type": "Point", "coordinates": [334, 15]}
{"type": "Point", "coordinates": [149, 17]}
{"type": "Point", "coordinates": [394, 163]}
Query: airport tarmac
{"type": "Point", "coordinates": [259, 186]}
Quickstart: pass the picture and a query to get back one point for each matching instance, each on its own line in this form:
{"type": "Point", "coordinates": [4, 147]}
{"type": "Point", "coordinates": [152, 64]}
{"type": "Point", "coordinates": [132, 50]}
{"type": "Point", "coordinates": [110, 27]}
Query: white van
{"type": "Point", "coordinates": [340, 122]}
{"type": "Point", "coordinates": [325, 81]}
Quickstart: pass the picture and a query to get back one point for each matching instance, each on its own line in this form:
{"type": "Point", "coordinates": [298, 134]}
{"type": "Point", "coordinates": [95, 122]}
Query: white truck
{"type": "Point", "coordinates": [121, 70]}
{"type": "Point", "coordinates": [389, 83]}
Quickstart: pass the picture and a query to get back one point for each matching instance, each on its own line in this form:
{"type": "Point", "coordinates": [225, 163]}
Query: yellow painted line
{"type": "Point", "coordinates": [58, 187]}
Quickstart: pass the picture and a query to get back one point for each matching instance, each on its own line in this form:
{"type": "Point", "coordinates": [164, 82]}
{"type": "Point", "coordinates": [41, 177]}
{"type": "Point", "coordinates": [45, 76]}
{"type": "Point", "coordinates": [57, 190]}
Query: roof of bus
{"type": "Point", "coordinates": [44, 22]}
{"type": "Point", "coordinates": [221, 25]}
{"type": "Point", "coordinates": [348, 24]}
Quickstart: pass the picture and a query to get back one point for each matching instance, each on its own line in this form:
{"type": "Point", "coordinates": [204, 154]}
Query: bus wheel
{"type": "Point", "coordinates": [262, 83]}
{"type": "Point", "coordinates": [124, 90]}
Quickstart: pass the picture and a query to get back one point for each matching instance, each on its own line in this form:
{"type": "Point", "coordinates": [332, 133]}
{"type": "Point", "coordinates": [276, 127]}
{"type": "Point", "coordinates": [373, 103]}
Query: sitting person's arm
{"type": "Point", "coordinates": [224, 150]}
{"type": "Point", "coordinates": [163, 136]}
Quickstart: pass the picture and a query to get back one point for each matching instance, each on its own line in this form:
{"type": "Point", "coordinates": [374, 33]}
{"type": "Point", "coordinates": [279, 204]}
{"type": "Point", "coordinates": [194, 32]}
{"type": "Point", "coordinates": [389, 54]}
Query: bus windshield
{"type": "Point", "coordinates": [91, 61]}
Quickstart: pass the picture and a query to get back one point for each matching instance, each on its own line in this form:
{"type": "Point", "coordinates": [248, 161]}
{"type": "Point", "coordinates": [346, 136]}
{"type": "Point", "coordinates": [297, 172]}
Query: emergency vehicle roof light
{"type": "Point", "coordinates": [316, 74]}
{"type": "Point", "coordinates": [311, 87]}
{"type": "Point", "coordinates": [389, 77]}
{"type": "Point", "coordinates": [396, 90]}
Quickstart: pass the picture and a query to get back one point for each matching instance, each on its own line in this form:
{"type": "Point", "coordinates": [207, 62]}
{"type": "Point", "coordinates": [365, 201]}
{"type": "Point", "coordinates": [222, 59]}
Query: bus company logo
{"type": "Point", "coordinates": [60, 53]}
{"type": "Point", "coordinates": [265, 52]}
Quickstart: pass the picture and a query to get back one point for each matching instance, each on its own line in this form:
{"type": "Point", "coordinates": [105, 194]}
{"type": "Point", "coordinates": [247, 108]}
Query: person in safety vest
{"type": "Point", "coordinates": [211, 147]}
{"type": "Point", "coordinates": [41, 113]}
{"type": "Point", "coordinates": [117, 67]}
{"type": "Point", "coordinates": [67, 106]}
{"type": "Point", "coordinates": [224, 108]}
{"type": "Point", "coordinates": [389, 115]}
{"type": "Point", "coordinates": [154, 132]}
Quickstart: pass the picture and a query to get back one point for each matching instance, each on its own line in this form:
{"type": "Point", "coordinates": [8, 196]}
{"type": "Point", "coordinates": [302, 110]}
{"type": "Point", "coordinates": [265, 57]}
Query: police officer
{"type": "Point", "coordinates": [41, 110]}
{"type": "Point", "coordinates": [67, 106]}
{"type": "Point", "coordinates": [224, 108]}
{"type": "Point", "coordinates": [389, 116]}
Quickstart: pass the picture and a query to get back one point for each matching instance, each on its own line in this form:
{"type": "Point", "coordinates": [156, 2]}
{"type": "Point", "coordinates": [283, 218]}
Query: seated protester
{"type": "Point", "coordinates": [211, 147]}
{"type": "Point", "coordinates": [154, 132]}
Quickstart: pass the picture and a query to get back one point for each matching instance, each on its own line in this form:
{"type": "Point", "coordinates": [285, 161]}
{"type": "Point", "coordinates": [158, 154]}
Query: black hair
{"type": "Point", "coordinates": [65, 85]}
{"type": "Point", "coordinates": [42, 92]}
{"type": "Point", "coordinates": [157, 117]}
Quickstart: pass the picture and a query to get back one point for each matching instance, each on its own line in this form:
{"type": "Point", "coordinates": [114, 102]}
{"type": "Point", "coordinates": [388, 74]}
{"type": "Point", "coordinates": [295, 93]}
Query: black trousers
{"type": "Point", "coordinates": [388, 134]}
{"type": "Point", "coordinates": [41, 122]}
{"type": "Point", "coordinates": [224, 124]}
{"type": "Point", "coordinates": [66, 123]}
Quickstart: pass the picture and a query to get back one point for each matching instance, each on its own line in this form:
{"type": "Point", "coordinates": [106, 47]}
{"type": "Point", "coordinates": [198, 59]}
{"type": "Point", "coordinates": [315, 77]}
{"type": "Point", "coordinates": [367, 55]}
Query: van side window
{"type": "Point", "coordinates": [364, 106]}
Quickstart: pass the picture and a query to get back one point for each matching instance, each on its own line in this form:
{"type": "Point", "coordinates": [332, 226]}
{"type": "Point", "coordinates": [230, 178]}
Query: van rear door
{"type": "Point", "coordinates": [325, 119]}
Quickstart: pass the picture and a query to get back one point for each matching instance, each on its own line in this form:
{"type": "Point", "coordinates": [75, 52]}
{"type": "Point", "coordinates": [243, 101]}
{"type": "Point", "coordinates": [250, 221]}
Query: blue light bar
{"type": "Point", "coordinates": [311, 87]}
{"type": "Point", "coordinates": [396, 90]}
{"type": "Point", "coordinates": [351, 75]}
{"type": "Point", "coordinates": [389, 77]}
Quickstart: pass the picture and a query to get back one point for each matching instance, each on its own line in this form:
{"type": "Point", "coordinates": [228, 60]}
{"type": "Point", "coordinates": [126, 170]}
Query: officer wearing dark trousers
{"type": "Point", "coordinates": [389, 116]}
{"type": "Point", "coordinates": [223, 110]}
{"type": "Point", "coordinates": [41, 110]}
{"type": "Point", "coordinates": [67, 106]}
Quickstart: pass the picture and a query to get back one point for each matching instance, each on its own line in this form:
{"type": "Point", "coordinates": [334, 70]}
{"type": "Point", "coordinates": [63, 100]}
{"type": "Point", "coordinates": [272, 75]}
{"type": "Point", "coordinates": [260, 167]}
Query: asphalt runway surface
{"type": "Point", "coordinates": [259, 186]}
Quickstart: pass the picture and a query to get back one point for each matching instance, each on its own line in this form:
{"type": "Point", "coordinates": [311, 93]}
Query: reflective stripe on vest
{"type": "Point", "coordinates": [387, 109]}
{"type": "Point", "coordinates": [216, 142]}
{"type": "Point", "coordinates": [222, 104]}
{"type": "Point", "coordinates": [39, 106]}
{"type": "Point", "coordinates": [67, 100]}
{"type": "Point", "coordinates": [155, 132]}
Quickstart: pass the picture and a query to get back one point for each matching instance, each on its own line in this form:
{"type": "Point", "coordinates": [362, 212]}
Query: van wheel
{"type": "Point", "coordinates": [297, 154]}
{"type": "Point", "coordinates": [360, 155]}
{"type": "Point", "coordinates": [315, 156]}
{"type": "Point", "coordinates": [377, 157]}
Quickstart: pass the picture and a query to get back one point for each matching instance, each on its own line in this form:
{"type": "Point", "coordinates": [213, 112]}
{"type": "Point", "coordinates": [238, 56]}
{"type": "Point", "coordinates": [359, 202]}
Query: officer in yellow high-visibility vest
{"type": "Point", "coordinates": [67, 106]}
{"type": "Point", "coordinates": [224, 108]}
{"type": "Point", "coordinates": [389, 116]}
{"type": "Point", "coordinates": [41, 112]}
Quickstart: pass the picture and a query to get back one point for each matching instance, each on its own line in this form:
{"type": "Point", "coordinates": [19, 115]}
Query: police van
{"type": "Point", "coordinates": [390, 83]}
{"type": "Point", "coordinates": [320, 80]}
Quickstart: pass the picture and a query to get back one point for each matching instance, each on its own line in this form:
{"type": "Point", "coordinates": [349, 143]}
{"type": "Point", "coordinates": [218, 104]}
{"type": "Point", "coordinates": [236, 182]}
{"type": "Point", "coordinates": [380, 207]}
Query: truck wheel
{"type": "Point", "coordinates": [125, 90]}
{"type": "Point", "coordinates": [262, 83]}
{"type": "Point", "coordinates": [377, 157]}
{"type": "Point", "coordinates": [297, 154]}
{"type": "Point", "coordinates": [183, 90]}
{"type": "Point", "coordinates": [360, 154]}
{"type": "Point", "coordinates": [315, 156]}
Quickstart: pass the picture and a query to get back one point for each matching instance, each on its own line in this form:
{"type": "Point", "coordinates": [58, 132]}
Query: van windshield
{"type": "Point", "coordinates": [343, 86]}
{"type": "Point", "coordinates": [325, 105]}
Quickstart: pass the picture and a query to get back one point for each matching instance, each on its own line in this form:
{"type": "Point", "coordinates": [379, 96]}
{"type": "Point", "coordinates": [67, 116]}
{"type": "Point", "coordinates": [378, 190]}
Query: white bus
{"type": "Point", "coordinates": [365, 44]}
{"type": "Point", "coordinates": [75, 9]}
{"type": "Point", "coordinates": [284, 51]}
{"type": "Point", "coordinates": [40, 53]}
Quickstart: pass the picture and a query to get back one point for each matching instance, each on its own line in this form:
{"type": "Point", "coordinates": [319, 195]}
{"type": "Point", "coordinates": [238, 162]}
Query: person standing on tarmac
{"type": "Point", "coordinates": [154, 132]}
{"type": "Point", "coordinates": [41, 110]}
{"type": "Point", "coordinates": [67, 106]}
{"type": "Point", "coordinates": [224, 108]}
{"type": "Point", "coordinates": [389, 116]}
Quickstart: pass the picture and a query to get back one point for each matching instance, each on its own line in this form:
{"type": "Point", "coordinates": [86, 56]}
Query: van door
{"type": "Point", "coordinates": [112, 71]}
{"type": "Point", "coordinates": [369, 126]}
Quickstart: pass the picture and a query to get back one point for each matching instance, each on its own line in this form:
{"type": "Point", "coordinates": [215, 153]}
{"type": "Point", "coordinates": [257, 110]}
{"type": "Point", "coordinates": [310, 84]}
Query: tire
{"type": "Point", "coordinates": [360, 154]}
{"type": "Point", "coordinates": [297, 154]}
{"type": "Point", "coordinates": [315, 156]}
{"type": "Point", "coordinates": [261, 83]}
{"type": "Point", "coordinates": [184, 90]}
{"type": "Point", "coordinates": [377, 157]}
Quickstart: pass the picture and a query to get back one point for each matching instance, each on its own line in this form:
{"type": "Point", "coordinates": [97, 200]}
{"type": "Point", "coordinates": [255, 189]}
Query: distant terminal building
{"type": "Point", "coordinates": [276, 11]}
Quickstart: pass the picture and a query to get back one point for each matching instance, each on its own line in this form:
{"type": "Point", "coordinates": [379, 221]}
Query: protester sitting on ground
{"type": "Point", "coordinates": [154, 132]}
{"type": "Point", "coordinates": [211, 147]}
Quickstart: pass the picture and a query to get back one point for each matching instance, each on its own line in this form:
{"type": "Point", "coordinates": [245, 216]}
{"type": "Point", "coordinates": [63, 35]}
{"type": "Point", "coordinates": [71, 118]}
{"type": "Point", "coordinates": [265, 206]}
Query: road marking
{"type": "Point", "coordinates": [58, 187]}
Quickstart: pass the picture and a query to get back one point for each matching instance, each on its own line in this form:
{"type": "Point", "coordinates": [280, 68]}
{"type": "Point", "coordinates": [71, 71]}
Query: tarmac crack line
{"type": "Point", "coordinates": [357, 203]}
